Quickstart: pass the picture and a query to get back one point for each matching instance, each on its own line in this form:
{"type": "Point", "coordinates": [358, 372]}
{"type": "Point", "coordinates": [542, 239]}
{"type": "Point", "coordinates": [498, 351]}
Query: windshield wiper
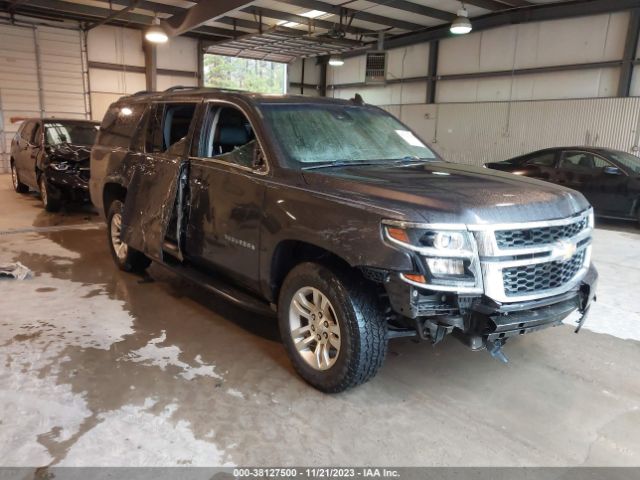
{"type": "Point", "coordinates": [340, 163]}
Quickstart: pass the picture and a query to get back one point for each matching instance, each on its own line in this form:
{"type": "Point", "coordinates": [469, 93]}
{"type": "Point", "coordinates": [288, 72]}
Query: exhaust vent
{"type": "Point", "coordinates": [376, 67]}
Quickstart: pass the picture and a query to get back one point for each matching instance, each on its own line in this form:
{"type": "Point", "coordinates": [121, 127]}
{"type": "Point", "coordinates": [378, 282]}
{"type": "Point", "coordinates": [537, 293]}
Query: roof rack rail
{"type": "Point", "coordinates": [179, 87]}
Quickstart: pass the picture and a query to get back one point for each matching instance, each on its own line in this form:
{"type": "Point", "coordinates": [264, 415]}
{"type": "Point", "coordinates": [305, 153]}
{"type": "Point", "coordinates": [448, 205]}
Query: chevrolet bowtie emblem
{"type": "Point", "coordinates": [564, 250]}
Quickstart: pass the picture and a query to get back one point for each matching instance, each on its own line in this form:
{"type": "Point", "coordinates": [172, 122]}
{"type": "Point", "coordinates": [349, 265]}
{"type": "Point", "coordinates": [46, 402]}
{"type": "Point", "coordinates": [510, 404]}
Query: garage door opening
{"type": "Point", "coordinates": [244, 74]}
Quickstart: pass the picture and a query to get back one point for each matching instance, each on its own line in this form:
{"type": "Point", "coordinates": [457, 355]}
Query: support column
{"type": "Point", "coordinates": [150, 65]}
{"type": "Point", "coordinates": [432, 71]}
{"type": "Point", "coordinates": [630, 50]}
{"type": "Point", "coordinates": [322, 81]}
{"type": "Point", "coordinates": [200, 63]}
{"type": "Point", "coordinates": [302, 78]}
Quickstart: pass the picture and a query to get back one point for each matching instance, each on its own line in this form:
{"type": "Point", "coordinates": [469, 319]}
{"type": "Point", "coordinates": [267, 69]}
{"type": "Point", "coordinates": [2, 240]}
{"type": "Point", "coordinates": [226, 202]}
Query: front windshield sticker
{"type": "Point", "coordinates": [410, 138]}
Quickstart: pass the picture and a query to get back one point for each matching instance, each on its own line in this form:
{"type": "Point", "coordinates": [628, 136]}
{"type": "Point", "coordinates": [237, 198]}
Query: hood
{"type": "Point", "coordinates": [68, 152]}
{"type": "Point", "coordinates": [438, 192]}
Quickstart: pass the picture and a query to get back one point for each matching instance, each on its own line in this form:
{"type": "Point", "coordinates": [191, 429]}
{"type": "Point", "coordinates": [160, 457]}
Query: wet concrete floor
{"type": "Point", "coordinates": [99, 367]}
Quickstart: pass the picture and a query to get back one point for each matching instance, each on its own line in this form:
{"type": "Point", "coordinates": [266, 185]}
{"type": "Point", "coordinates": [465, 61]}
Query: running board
{"type": "Point", "coordinates": [222, 289]}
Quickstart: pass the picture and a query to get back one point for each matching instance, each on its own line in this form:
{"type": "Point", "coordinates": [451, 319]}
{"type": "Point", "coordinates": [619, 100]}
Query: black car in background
{"type": "Point", "coordinates": [52, 157]}
{"type": "Point", "coordinates": [610, 179]}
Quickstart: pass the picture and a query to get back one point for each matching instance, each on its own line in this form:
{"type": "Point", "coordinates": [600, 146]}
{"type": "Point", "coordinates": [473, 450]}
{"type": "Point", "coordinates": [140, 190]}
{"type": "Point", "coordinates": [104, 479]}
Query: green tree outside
{"type": "Point", "coordinates": [244, 74]}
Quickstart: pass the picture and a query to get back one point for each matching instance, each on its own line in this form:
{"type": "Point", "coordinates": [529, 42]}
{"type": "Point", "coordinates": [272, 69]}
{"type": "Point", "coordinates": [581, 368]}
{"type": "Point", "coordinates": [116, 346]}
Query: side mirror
{"type": "Point", "coordinates": [611, 170]}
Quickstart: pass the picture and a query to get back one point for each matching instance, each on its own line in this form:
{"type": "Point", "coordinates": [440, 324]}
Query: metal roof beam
{"type": "Point", "coordinates": [416, 8]}
{"type": "Point", "coordinates": [360, 15]}
{"type": "Point", "coordinates": [289, 17]}
{"type": "Point", "coordinates": [199, 14]}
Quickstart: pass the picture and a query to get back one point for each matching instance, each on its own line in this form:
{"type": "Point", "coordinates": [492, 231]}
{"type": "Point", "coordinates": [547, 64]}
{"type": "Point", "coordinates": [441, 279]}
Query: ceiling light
{"type": "Point", "coordinates": [313, 13]}
{"type": "Point", "coordinates": [461, 23]}
{"type": "Point", "coordinates": [336, 60]}
{"type": "Point", "coordinates": [156, 33]}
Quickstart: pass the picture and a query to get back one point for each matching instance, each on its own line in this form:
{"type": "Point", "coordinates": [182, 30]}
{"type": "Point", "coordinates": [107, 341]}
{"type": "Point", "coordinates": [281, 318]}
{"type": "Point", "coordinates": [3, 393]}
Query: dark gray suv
{"type": "Point", "coordinates": [337, 216]}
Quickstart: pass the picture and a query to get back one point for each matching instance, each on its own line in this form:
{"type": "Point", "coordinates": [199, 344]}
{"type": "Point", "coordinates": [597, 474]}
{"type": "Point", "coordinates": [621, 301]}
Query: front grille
{"type": "Point", "coordinates": [541, 276]}
{"type": "Point", "coordinates": [533, 237]}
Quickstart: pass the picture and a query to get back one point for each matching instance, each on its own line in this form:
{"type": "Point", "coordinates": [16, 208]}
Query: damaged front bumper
{"type": "Point", "coordinates": [72, 184]}
{"type": "Point", "coordinates": [479, 321]}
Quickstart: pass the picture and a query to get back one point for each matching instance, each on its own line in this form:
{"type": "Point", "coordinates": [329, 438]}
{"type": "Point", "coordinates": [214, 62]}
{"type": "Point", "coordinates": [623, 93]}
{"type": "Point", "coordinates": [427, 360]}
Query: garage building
{"type": "Point", "coordinates": [101, 368]}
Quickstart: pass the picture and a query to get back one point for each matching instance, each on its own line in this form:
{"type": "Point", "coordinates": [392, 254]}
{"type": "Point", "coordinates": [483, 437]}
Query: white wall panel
{"type": "Point", "coordinates": [179, 53]}
{"type": "Point", "coordinates": [601, 82]}
{"type": "Point", "coordinates": [166, 81]}
{"type": "Point", "coordinates": [397, 93]}
{"type": "Point", "coordinates": [559, 42]}
{"type": "Point", "coordinates": [475, 133]}
{"type": "Point", "coordinates": [41, 73]}
{"type": "Point", "coordinates": [109, 44]}
{"type": "Point", "coordinates": [408, 62]}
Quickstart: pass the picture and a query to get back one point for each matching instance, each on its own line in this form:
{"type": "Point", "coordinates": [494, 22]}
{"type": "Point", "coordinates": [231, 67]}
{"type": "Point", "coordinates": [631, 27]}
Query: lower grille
{"type": "Point", "coordinates": [541, 276]}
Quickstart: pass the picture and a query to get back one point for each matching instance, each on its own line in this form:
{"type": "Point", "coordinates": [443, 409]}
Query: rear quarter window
{"type": "Point", "coordinates": [119, 125]}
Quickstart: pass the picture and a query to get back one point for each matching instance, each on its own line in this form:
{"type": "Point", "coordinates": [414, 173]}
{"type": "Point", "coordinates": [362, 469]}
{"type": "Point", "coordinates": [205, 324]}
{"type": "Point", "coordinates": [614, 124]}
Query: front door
{"type": "Point", "coordinates": [226, 185]}
{"type": "Point", "coordinates": [22, 155]}
{"type": "Point", "coordinates": [153, 210]}
{"type": "Point", "coordinates": [585, 172]}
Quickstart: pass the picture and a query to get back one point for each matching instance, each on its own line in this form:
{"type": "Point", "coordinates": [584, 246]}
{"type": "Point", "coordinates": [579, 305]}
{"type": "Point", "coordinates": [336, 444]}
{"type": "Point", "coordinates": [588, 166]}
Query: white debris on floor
{"type": "Point", "coordinates": [169, 356]}
{"type": "Point", "coordinates": [38, 408]}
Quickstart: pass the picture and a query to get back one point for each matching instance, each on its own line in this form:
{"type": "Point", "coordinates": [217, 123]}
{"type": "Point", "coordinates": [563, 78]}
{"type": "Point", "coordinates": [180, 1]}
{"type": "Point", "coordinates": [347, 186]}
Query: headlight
{"type": "Point", "coordinates": [591, 219]}
{"type": "Point", "coordinates": [61, 166]}
{"type": "Point", "coordinates": [445, 256]}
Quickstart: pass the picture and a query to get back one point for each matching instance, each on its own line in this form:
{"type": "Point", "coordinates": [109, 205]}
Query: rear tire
{"type": "Point", "coordinates": [50, 204]}
{"type": "Point", "coordinates": [332, 326]}
{"type": "Point", "coordinates": [125, 257]}
{"type": "Point", "coordinates": [18, 186]}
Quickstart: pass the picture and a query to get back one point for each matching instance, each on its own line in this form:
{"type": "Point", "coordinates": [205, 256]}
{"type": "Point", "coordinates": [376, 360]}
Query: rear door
{"type": "Point", "coordinates": [22, 153]}
{"type": "Point", "coordinates": [153, 210]}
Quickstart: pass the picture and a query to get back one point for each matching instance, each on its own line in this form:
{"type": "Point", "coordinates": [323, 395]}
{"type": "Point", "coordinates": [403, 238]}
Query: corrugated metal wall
{"type": "Point", "coordinates": [475, 133]}
{"type": "Point", "coordinates": [42, 74]}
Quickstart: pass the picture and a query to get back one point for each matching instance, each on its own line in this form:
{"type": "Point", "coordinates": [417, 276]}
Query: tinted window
{"type": "Point", "coordinates": [630, 161]}
{"type": "Point", "coordinates": [35, 138]}
{"type": "Point", "coordinates": [77, 133]}
{"type": "Point", "coordinates": [228, 136]}
{"type": "Point", "coordinates": [544, 160]}
{"type": "Point", "coordinates": [119, 125]}
{"type": "Point", "coordinates": [168, 126]}
{"type": "Point", "coordinates": [27, 131]}
{"type": "Point", "coordinates": [319, 133]}
{"type": "Point", "coordinates": [582, 161]}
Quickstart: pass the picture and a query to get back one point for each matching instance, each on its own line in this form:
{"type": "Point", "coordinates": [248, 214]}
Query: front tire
{"type": "Point", "coordinates": [50, 204]}
{"type": "Point", "coordinates": [332, 326]}
{"type": "Point", "coordinates": [18, 186]}
{"type": "Point", "coordinates": [125, 257]}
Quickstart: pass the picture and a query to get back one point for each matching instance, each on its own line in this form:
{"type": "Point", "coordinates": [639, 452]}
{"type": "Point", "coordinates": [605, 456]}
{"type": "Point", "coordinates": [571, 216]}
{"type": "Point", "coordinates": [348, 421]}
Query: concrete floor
{"type": "Point", "coordinates": [99, 367]}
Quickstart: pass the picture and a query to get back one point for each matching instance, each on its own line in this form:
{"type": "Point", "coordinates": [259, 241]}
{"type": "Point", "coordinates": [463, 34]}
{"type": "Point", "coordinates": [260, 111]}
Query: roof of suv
{"type": "Point", "coordinates": [189, 92]}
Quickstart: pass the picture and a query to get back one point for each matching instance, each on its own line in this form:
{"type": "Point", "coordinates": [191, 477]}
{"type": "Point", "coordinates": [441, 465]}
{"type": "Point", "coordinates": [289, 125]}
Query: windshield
{"type": "Point", "coordinates": [77, 133]}
{"type": "Point", "coordinates": [342, 134]}
{"type": "Point", "coordinates": [629, 161]}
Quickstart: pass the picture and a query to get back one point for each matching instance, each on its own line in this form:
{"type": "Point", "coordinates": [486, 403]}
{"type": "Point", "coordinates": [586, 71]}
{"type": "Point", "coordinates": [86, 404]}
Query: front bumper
{"type": "Point", "coordinates": [479, 320]}
{"type": "Point", "coordinates": [69, 184]}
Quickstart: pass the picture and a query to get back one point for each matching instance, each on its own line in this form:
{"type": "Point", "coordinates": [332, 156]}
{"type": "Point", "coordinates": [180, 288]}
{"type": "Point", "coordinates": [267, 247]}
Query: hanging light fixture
{"type": "Point", "coordinates": [336, 60]}
{"type": "Point", "coordinates": [461, 24]}
{"type": "Point", "coordinates": [155, 33]}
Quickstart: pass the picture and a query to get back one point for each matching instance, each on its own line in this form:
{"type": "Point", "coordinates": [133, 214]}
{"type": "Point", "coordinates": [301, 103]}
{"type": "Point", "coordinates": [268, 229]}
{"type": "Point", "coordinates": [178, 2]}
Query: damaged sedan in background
{"type": "Point", "coordinates": [51, 156]}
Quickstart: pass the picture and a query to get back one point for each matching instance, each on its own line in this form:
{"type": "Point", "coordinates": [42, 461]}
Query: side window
{"type": "Point", "coordinates": [577, 160]}
{"type": "Point", "coordinates": [119, 125]}
{"type": "Point", "coordinates": [228, 136]}
{"type": "Point", "coordinates": [544, 160]}
{"type": "Point", "coordinates": [168, 126]}
{"type": "Point", "coordinates": [35, 139]}
{"type": "Point", "coordinates": [600, 162]}
{"type": "Point", "coordinates": [27, 131]}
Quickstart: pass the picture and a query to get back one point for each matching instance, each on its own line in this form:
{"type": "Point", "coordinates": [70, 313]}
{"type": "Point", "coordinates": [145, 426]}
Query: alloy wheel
{"type": "Point", "coordinates": [118, 245]}
{"type": "Point", "coordinates": [14, 176]}
{"type": "Point", "coordinates": [314, 328]}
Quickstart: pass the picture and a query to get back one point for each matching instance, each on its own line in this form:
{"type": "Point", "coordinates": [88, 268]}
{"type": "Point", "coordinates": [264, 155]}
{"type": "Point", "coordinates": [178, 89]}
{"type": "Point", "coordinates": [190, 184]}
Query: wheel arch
{"type": "Point", "coordinates": [291, 252]}
{"type": "Point", "coordinates": [112, 191]}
